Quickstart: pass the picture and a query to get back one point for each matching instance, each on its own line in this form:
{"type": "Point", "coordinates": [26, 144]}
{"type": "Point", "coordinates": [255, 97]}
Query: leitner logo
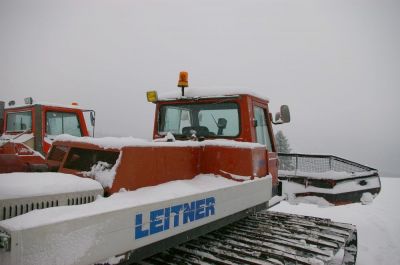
{"type": "Point", "coordinates": [160, 218]}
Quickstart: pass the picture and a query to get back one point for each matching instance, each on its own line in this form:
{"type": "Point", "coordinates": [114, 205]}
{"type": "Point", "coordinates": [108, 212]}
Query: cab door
{"type": "Point", "coordinates": [265, 136]}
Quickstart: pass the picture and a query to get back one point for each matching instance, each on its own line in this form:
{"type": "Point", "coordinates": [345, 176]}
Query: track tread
{"type": "Point", "coordinates": [269, 238]}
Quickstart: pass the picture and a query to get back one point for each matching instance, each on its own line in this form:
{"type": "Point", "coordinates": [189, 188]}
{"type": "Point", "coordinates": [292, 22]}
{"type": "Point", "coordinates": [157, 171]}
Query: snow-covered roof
{"type": "Point", "coordinates": [120, 142]}
{"type": "Point", "coordinates": [47, 104]}
{"type": "Point", "coordinates": [204, 92]}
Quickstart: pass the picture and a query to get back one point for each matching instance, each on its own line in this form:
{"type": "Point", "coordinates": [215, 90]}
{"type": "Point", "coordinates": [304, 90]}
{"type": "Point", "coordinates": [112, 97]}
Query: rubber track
{"type": "Point", "coordinates": [269, 238]}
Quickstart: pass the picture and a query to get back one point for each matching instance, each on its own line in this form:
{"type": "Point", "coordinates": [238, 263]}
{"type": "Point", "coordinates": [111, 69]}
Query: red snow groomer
{"type": "Point", "coordinates": [195, 194]}
{"type": "Point", "coordinates": [27, 132]}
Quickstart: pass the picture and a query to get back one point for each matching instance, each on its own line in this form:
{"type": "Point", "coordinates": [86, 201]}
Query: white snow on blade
{"type": "Point", "coordinates": [336, 175]}
{"type": "Point", "coordinates": [123, 200]}
{"type": "Point", "coordinates": [120, 142]}
{"type": "Point", "coordinates": [22, 185]}
{"type": "Point", "coordinates": [103, 172]}
{"type": "Point", "coordinates": [378, 224]}
{"type": "Point", "coordinates": [193, 92]}
{"type": "Point", "coordinates": [237, 177]}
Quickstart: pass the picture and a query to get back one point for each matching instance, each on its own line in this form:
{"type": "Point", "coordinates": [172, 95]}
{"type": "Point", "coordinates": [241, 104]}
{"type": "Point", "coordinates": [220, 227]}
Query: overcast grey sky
{"type": "Point", "coordinates": [336, 63]}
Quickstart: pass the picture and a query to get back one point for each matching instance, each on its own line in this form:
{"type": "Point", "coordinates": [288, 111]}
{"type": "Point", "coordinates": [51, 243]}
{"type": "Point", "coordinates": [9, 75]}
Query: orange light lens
{"type": "Point", "coordinates": [183, 79]}
{"type": "Point", "coordinates": [74, 104]}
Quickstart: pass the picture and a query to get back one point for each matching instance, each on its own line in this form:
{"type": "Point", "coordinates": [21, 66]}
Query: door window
{"type": "Point", "coordinates": [262, 128]}
{"type": "Point", "coordinates": [19, 121]}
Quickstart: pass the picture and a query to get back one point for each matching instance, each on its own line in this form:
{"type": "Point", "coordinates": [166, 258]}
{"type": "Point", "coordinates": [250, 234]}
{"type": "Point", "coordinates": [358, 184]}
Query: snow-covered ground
{"type": "Point", "coordinates": [378, 224]}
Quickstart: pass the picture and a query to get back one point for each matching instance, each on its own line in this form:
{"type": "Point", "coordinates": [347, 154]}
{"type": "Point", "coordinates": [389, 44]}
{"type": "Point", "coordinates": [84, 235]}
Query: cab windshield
{"type": "Point", "coordinates": [62, 122]}
{"type": "Point", "coordinates": [203, 120]}
{"type": "Point", "coordinates": [19, 121]}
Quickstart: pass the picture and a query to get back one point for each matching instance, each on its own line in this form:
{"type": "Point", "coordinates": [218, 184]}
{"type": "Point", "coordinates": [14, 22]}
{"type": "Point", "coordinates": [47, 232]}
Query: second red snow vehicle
{"type": "Point", "coordinates": [212, 162]}
{"type": "Point", "coordinates": [27, 131]}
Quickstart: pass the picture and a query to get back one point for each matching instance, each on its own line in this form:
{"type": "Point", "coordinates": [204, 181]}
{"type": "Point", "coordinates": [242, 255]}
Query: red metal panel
{"type": "Point", "coordinates": [12, 163]}
{"type": "Point", "coordinates": [233, 160]}
{"type": "Point", "coordinates": [148, 166]}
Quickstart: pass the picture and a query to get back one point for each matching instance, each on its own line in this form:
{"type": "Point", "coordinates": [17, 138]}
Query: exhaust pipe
{"type": "Point", "coordinates": [2, 107]}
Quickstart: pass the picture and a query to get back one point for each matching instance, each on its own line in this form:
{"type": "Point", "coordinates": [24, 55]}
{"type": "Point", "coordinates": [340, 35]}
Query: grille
{"type": "Point", "coordinates": [14, 207]}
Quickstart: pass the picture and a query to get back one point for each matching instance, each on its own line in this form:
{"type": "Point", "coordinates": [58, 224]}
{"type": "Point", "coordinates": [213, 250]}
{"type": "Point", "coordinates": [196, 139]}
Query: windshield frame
{"type": "Point", "coordinates": [197, 102]}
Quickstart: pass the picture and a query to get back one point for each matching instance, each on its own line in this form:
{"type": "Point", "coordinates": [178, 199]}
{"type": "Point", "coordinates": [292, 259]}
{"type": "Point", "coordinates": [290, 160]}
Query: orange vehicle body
{"type": "Point", "coordinates": [143, 166]}
{"type": "Point", "coordinates": [247, 132]}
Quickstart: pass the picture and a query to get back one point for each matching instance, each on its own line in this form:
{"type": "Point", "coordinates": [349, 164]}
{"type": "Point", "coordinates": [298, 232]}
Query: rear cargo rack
{"type": "Point", "coordinates": [337, 180]}
{"type": "Point", "coordinates": [319, 163]}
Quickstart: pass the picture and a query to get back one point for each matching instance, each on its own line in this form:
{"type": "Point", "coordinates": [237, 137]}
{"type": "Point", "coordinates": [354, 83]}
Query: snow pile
{"type": "Point", "coordinates": [103, 172]}
{"type": "Point", "coordinates": [122, 200]}
{"type": "Point", "coordinates": [321, 202]}
{"type": "Point", "coordinates": [193, 92]}
{"type": "Point", "coordinates": [378, 224]}
{"type": "Point", "coordinates": [22, 185]}
{"type": "Point", "coordinates": [367, 198]}
{"type": "Point", "coordinates": [120, 142]}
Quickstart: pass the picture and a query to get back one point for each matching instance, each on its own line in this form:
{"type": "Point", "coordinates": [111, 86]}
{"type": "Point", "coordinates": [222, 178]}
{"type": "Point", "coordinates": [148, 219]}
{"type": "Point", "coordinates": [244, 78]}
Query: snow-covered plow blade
{"type": "Point", "coordinates": [337, 180]}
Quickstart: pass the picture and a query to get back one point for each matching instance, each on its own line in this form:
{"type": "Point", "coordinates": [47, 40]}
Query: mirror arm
{"type": "Point", "coordinates": [277, 122]}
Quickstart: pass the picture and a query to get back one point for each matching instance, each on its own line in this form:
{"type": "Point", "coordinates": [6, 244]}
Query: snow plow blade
{"type": "Point", "coordinates": [337, 180]}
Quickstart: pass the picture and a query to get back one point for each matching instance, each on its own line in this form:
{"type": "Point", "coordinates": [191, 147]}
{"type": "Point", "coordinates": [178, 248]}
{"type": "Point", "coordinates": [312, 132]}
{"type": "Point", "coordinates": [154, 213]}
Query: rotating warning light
{"type": "Point", "coordinates": [183, 79]}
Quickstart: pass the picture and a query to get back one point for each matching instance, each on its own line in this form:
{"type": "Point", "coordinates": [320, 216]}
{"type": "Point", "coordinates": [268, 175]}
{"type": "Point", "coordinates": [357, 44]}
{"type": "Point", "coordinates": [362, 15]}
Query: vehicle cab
{"type": "Point", "coordinates": [230, 114]}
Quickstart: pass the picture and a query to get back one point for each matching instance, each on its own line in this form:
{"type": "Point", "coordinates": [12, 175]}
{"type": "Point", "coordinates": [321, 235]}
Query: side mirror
{"type": "Point", "coordinates": [2, 107]}
{"type": "Point", "coordinates": [283, 116]}
{"type": "Point", "coordinates": [92, 118]}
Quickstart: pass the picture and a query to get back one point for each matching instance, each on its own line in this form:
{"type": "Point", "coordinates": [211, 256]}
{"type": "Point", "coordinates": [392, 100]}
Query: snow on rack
{"type": "Point", "coordinates": [20, 185]}
{"type": "Point", "coordinates": [122, 200]}
{"type": "Point", "coordinates": [120, 142]}
{"type": "Point", "coordinates": [331, 174]}
{"type": "Point", "coordinates": [193, 92]}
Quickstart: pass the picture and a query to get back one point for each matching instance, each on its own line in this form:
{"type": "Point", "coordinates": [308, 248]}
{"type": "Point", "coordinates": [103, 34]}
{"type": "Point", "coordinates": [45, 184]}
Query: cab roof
{"type": "Point", "coordinates": [207, 92]}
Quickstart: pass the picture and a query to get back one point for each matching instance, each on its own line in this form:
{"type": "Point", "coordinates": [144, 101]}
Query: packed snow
{"type": "Point", "coordinates": [22, 185]}
{"type": "Point", "coordinates": [378, 223]}
{"type": "Point", "coordinates": [120, 142]}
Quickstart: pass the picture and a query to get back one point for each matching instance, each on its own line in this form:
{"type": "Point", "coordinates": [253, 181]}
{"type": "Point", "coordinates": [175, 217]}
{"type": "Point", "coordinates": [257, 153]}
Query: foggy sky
{"type": "Point", "coordinates": [335, 63]}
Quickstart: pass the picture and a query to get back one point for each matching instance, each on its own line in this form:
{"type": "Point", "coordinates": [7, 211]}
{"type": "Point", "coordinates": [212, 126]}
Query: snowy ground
{"type": "Point", "coordinates": [378, 224]}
